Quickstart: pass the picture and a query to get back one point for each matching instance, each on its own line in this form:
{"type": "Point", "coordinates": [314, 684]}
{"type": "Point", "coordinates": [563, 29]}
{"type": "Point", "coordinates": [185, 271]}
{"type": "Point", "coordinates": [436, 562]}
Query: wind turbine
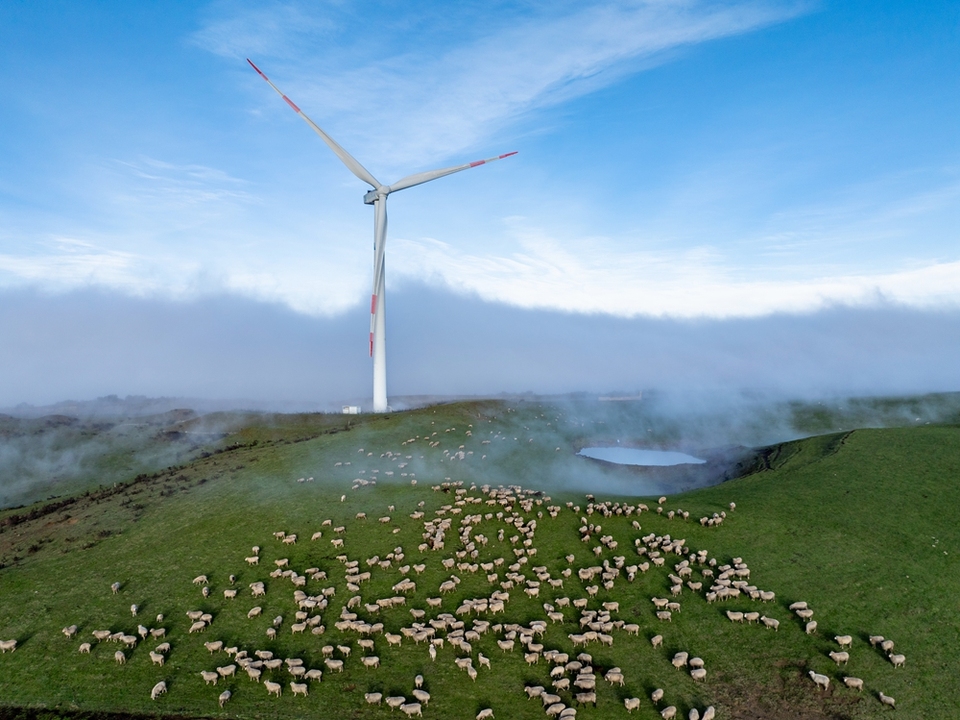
{"type": "Point", "coordinates": [378, 198]}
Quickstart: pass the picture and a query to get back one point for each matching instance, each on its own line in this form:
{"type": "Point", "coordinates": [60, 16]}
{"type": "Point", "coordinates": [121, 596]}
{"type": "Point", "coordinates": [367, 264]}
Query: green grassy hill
{"type": "Point", "coordinates": [861, 525]}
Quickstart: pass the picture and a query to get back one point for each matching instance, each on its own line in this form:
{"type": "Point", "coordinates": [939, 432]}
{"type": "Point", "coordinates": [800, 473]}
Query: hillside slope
{"type": "Point", "coordinates": [860, 525]}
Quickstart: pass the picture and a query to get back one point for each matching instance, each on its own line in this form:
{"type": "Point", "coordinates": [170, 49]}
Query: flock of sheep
{"type": "Point", "coordinates": [489, 532]}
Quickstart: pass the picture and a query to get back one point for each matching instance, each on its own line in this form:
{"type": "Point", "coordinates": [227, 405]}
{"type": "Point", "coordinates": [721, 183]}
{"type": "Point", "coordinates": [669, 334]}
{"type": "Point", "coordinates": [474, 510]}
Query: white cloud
{"type": "Point", "coordinates": [592, 277]}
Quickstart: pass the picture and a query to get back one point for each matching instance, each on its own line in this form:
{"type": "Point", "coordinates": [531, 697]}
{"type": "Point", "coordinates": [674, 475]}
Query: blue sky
{"type": "Point", "coordinates": [678, 160]}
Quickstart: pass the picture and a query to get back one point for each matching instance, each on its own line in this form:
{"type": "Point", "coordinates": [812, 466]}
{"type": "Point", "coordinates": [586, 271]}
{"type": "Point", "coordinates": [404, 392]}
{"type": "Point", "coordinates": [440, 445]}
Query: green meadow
{"type": "Point", "coordinates": [860, 524]}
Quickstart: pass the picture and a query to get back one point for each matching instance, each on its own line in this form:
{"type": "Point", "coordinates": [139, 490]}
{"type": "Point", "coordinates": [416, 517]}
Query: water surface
{"type": "Point", "coordinates": [638, 456]}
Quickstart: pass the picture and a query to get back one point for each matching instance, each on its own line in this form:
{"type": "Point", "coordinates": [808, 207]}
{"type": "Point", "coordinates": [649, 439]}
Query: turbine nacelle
{"type": "Point", "coordinates": [373, 195]}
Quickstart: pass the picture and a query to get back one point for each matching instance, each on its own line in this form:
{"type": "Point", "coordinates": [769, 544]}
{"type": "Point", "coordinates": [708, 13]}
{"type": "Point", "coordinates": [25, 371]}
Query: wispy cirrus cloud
{"type": "Point", "coordinates": [401, 104]}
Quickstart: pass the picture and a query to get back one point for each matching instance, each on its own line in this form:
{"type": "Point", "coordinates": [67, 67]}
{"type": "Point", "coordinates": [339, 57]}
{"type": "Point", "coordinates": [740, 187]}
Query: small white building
{"type": "Point", "coordinates": [351, 409]}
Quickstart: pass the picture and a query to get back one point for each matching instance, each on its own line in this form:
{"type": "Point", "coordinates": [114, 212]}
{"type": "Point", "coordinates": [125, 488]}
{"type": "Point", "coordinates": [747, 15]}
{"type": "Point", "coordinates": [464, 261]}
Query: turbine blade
{"type": "Point", "coordinates": [420, 178]}
{"type": "Point", "coordinates": [351, 162]}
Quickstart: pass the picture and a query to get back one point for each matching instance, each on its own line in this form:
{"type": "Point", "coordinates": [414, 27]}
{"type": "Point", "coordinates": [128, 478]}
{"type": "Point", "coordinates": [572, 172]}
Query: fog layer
{"type": "Point", "coordinates": [89, 344]}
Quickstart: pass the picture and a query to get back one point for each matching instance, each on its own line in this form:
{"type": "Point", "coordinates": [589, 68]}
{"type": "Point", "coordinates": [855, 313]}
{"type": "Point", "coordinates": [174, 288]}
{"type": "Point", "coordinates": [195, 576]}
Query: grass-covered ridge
{"type": "Point", "coordinates": [861, 525]}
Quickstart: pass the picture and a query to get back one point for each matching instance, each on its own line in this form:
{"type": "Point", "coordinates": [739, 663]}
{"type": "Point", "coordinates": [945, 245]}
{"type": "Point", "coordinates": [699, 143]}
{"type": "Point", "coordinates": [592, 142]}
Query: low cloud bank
{"type": "Point", "coordinates": [88, 344]}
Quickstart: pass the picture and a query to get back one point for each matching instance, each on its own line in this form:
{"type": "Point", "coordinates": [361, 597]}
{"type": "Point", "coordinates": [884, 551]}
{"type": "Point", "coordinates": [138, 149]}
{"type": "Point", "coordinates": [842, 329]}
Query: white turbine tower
{"type": "Point", "coordinates": [378, 198]}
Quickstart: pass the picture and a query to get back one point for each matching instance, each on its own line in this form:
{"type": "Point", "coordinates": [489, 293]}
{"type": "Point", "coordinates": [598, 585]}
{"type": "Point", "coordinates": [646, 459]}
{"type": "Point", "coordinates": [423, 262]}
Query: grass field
{"type": "Point", "coordinates": [860, 524]}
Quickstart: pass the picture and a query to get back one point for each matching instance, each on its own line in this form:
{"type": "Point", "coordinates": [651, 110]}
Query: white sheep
{"type": "Point", "coordinates": [70, 631]}
{"type": "Point", "coordinates": [631, 704]}
{"type": "Point", "coordinates": [898, 660]}
{"type": "Point", "coordinates": [120, 657]}
{"type": "Point", "coordinates": [770, 622]}
{"type": "Point", "coordinates": [298, 688]}
{"type": "Point", "coordinates": [854, 683]}
{"type": "Point", "coordinates": [159, 689]}
{"type": "Point", "coordinates": [844, 641]}
{"type": "Point", "coordinates": [157, 658]}
{"type": "Point", "coordinates": [224, 696]}
{"type": "Point", "coordinates": [839, 658]}
{"type": "Point", "coordinates": [85, 648]}
{"type": "Point", "coordinates": [412, 709]}
{"type": "Point", "coordinates": [810, 628]}
{"type": "Point", "coordinates": [668, 713]}
{"type": "Point", "coordinates": [484, 714]}
{"type": "Point", "coordinates": [710, 713]}
{"type": "Point", "coordinates": [209, 678]}
{"type": "Point", "coordinates": [422, 696]}
{"type": "Point", "coordinates": [887, 700]}
{"type": "Point", "coordinates": [373, 698]}
{"type": "Point", "coordinates": [657, 695]}
{"type": "Point", "coordinates": [821, 681]}
{"type": "Point", "coordinates": [273, 688]}
{"type": "Point", "coordinates": [10, 645]}
{"type": "Point", "coordinates": [395, 701]}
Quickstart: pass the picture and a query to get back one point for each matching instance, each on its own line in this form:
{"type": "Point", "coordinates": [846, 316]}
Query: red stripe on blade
{"type": "Point", "coordinates": [371, 344]}
{"type": "Point", "coordinates": [290, 103]}
{"type": "Point", "coordinates": [478, 162]}
{"type": "Point", "coordinates": [255, 67]}
{"type": "Point", "coordinates": [508, 154]}
{"type": "Point", "coordinates": [373, 304]}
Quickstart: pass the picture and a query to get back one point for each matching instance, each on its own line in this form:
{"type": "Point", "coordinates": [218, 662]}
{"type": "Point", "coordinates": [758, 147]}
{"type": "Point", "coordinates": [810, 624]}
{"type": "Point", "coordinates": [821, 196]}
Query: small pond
{"type": "Point", "coordinates": [638, 456]}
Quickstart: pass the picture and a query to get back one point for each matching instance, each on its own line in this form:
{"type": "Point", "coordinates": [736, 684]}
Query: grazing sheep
{"type": "Point", "coordinates": [887, 700]}
{"type": "Point", "coordinates": [371, 661]}
{"type": "Point", "coordinates": [70, 631]}
{"type": "Point", "coordinates": [422, 696]}
{"type": "Point", "coordinates": [709, 714]}
{"type": "Point", "coordinates": [253, 560]}
{"type": "Point", "coordinates": [273, 688]}
{"type": "Point", "coordinates": [198, 626]}
{"type": "Point", "coordinates": [668, 713]}
{"type": "Point", "coordinates": [886, 645]}
{"type": "Point", "coordinates": [84, 648]}
{"type": "Point", "coordinates": [227, 670]}
{"type": "Point", "coordinates": [201, 580]}
{"type": "Point", "coordinates": [875, 640]}
{"type": "Point", "coordinates": [158, 632]}
{"type": "Point", "coordinates": [631, 704]}
{"type": "Point", "coordinates": [254, 612]}
{"type": "Point", "coordinates": [157, 658]}
{"type": "Point", "coordinates": [810, 628]}
{"type": "Point", "coordinates": [656, 640]}
{"type": "Point", "coordinates": [657, 695]}
{"type": "Point", "coordinates": [412, 709]}
{"type": "Point", "coordinates": [533, 691]}
{"type": "Point", "coordinates": [395, 701]}
{"type": "Point", "coordinates": [224, 696]}
{"type": "Point", "coordinates": [209, 678]}
{"type": "Point", "coordinates": [484, 714]}
{"type": "Point", "coordinates": [213, 647]}
{"type": "Point", "coordinates": [163, 647]}
{"type": "Point", "coordinates": [334, 665]}
{"type": "Point", "coordinates": [373, 698]}
{"type": "Point", "coordinates": [770, 622]}
{"type": "Point", "coordinates": [159, 689]}
{"type": "Point", "coordinates": [821, 681]}
{"type": "Point", "coordinates": [854, 683]}
{"type": "Point", "coordinates": [230, 593]}
{"type": "Point", "coordinates": [120, 657]}
{"type": "Point", "coordinates": [698, 674]}
{"type": "Point", "coordinates": [298, 688]}
{"type": "Point", "coordinates": [897, 660]}
{"type": "Point", "coordinates": [842, 657]}
{"type": "Point", "coordinates": [679, 660]}
{"type": "Point", "coordinates": [133, 610]}
{"type": "Point", "coordinates": [254, 673]}
{"type": "Point", "coordinates": [844, 641]}
{"type": "Point", "coordinates": [115, 587]}
{"type": "Point", "coordinates": [555, 709]}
